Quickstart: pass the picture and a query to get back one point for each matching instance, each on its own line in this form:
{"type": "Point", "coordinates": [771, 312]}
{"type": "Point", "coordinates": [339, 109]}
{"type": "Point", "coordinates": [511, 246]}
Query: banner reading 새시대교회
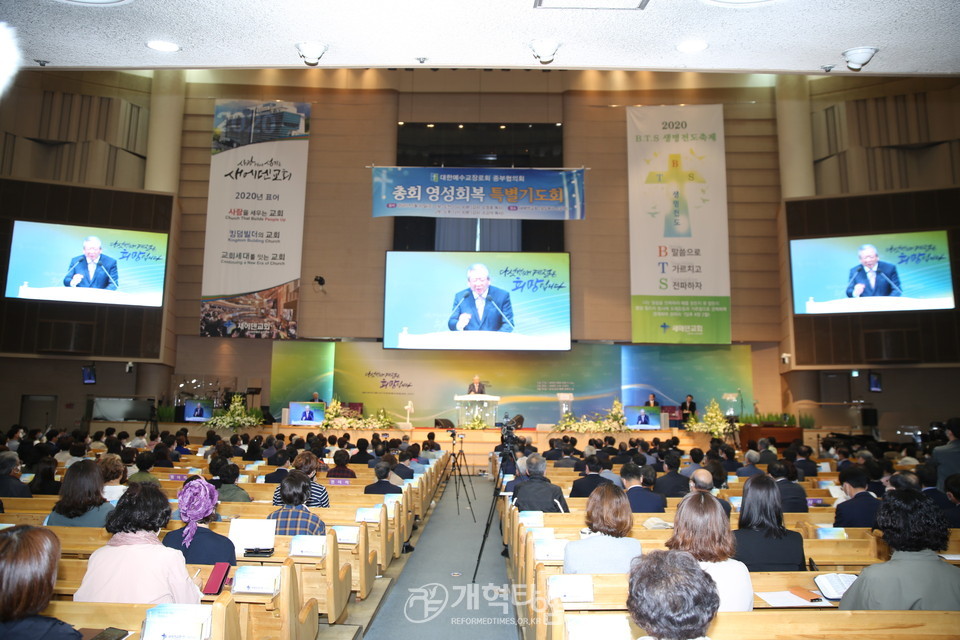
{"type": "Point", "coordinates": [253, 243]}
{"type": "Point", "coordinates": [679, 248]}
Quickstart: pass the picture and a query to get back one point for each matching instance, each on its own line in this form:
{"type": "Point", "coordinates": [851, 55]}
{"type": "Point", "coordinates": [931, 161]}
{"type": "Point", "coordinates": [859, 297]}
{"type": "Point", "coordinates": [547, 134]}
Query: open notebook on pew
{"type": "Point", "coordinates": [178, 622]}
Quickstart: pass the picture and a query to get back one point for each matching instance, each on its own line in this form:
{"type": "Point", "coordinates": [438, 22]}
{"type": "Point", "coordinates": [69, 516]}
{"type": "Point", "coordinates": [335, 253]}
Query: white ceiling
{"type": "Point", "coordinates": [793, 36]}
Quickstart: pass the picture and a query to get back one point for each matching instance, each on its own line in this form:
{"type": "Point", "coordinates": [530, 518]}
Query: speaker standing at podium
{"type": "Point", "coordinates": [481, 307]}
{"type": "Point", "coordinates": [476, 386]}
{"type": "Point", "coordinates": [92, 270]}
{"type": "Point", "coordinates": [873, 277]}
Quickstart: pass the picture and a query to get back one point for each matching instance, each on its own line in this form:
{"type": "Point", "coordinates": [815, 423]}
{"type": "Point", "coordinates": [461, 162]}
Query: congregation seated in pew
{"type": "Point", "coordinates": [114, 474]}
{"type": "Point", "coordinates": [609, 547]}
{"type": "Point", "coordinates": [81, 502]}
{"type": "Point", "coordinates": [293, 518]}
{"type": "Point", "coordinates": [382, 484]}
{"type": "Point", "coordinates": [914, 577]}
{"type": "Point", "coordinates": [197, 501]}
{"type": "Point", "coordinates": [703, 529]}
{"type": "Point", "coordinates": [671, 596]}
{"type": "Point", "coordinates": [162, 576]}
{"type": "Point", "coordinates": [763, 543]}
{"type": "Point", "coordinates": [29, 557]}
{"type": "Point", "coordinates": [308, 463]}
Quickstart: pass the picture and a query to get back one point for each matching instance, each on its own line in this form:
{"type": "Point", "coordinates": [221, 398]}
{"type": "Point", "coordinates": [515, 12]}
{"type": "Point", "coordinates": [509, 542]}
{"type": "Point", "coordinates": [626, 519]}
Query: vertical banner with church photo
{"type": "Point", "coordinates": [679, 253]}
{"type": "Point", "coordinates": [252, 251]}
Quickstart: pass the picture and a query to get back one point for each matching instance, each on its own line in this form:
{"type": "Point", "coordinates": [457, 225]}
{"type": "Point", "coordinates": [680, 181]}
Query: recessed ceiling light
{"type": "Point", "coordinates": [691, 46]}
{"type": "Point", "coordinates": [163, 46]}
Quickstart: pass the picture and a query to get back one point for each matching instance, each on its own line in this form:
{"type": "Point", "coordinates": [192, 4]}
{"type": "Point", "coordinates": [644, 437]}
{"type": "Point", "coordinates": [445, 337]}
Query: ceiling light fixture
{"type": "Point", "coordinates": [311, 51]}
{"type": "Point", "coordinates": [590, 4]}
{"type": "Point", "coordinates": [544, 49]}
{"type": "Point", "coordinates": [691, 46]}
{"type": "Point", "coordinates": [737, 3]}
{"type": "Point", "coordinates": [163, 46]}
{"type": "Point", "coordinates": [858, 57]}
{"type": "Point", "coordinates": [97, 3]}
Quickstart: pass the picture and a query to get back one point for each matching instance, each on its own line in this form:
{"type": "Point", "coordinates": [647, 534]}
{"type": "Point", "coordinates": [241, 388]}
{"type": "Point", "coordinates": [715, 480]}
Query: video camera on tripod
{"type": "Point", "coordinates": [508, 430]}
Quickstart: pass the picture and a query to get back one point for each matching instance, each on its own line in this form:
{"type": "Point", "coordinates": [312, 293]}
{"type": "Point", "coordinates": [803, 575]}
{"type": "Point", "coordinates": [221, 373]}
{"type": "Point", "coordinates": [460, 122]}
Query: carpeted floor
{"type": "Point", "coordinates": [433, 596]}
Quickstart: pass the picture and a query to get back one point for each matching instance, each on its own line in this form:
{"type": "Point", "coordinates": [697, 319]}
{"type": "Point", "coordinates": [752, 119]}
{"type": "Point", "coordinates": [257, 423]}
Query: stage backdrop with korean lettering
{"type": "Point", "coordinates": [679, 248]}
{"type": "Point", "coordinates": [478, 192]}
{"type": "Point", "coordinates": [252, 251]}
{"type": "Point", "coordinates": [527, 382]}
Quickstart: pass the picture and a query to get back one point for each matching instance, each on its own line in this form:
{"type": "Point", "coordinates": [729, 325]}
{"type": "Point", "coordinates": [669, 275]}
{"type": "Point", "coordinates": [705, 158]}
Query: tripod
{"type": "Point", "coordinates": [459, 463]}
{"type": "Point", "coordinates": [506, 454]}
{"type": "Point", "coordinates": [151, 424]}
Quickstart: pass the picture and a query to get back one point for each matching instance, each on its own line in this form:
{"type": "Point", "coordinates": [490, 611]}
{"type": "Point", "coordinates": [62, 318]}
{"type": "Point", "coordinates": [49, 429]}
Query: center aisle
{"type": "Point", "coordinates": [433, 596]}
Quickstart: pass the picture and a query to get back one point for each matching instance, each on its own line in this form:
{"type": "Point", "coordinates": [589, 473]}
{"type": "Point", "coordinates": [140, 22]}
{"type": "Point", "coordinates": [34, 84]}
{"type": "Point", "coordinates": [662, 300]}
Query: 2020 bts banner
{"type": "Point", "coordinates": [679, 248]}
{"type": "Point", "coordinates": [478, 192]}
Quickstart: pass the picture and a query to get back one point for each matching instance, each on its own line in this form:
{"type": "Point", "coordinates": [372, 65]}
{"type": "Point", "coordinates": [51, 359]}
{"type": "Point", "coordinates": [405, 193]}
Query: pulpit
{"type": "Point", "coordinates": [476, 404]}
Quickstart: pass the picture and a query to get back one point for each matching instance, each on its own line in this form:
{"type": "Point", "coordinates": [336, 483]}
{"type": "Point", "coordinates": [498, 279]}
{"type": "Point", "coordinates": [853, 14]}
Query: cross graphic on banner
{"type": "Point", "coordinates": [677, 222]}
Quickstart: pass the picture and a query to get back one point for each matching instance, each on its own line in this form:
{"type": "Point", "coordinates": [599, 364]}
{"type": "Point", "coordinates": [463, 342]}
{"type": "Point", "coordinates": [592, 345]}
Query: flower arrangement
{"type": "Point", "coordinates": [714, 422]}
{"type": "Point", "coordinates": [340, 418]}
{"type": "Point", "coordinates": [236, 417]}
{"type": "Point", "coordinates": [611, 421]}
{"type": "Point", "coordinates": [475, 423]}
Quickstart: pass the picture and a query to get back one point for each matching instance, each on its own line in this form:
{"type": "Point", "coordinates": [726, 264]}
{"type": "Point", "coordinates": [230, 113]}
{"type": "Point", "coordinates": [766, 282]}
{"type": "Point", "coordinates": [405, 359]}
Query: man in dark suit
{"type": "Point", "coordinates": [567, 460]}
{"type": "Point", "coordinates": [282, 460]}
{"type": "Point", "coordinates": [307, 414]}
{"type": "Point", "coordinates": [481, 307]}
{"type": "Point", "coordinates": [643, 418]}
{"type": "Point", "coordinates": [766, 455]}
{"type": "Point", "coordinates": [793, 498]}
{"type": "Point", "coordinates": [688, 409]}
{"type": "Point", "coordinates": [556, 451]}
{"type": "Point", "coordinates": [538, 493]}
{"type": "Point", "coordinates": [92, 269]}
{"type": "Point", "coordinates": [872, 277]}
{"type": "Point", "coordinates": [198, 411]}
{"type": "Point", "coordinates": [952, 513]}
{"type": "Point", "coordinates": [861, 509]}
{"type": "Point", "coordinates": [805, 464]}
{"type": "Point", "coordinates": [476, 386]}
{"type": "Point", "coordinates": [927, 475]}
{"type": "Point", "coordinates": [403, 468]}
{"type": "Point", "coordinates": [638, 482]}
{"type": "Point", "coordinates": [382, 486]}
{"type": "Point", "coordinates": [702, 480]}
{"type": "Point", "coordinates": [583, 487]}
{"type": "Point", "coordinates": [651, 401]}
{"type": "Point", "coordinates": [672, 484]}
{"type": "Point", "coordinates": [10, 484]}
{"type": "Point", "coordinates": [362, 456]}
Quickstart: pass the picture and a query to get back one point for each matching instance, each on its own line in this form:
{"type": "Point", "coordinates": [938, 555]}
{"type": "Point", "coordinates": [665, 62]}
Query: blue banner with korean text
{"type": "Point", "coordinates": [478, 192]}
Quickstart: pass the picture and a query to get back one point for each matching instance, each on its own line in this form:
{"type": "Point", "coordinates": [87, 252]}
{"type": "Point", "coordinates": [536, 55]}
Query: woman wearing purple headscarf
{"type": "Point", "coordinates": [199, 545]}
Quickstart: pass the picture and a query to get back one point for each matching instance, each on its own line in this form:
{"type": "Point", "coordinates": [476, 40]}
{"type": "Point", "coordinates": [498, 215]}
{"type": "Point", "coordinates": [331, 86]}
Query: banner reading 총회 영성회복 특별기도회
{"type": "Point", "coordinates": [679, 248]}
{"type": "Point", "coordinates": [255, 210]}
{"type": "Point", "coordinates": [478, 192]}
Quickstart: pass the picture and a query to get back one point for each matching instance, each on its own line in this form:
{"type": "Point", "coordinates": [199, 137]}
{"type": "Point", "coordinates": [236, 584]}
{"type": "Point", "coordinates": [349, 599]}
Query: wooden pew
{"type": "Point", "coordinates": [87, 615]}
{"type": "Point", "coordinates": [774, 625]}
